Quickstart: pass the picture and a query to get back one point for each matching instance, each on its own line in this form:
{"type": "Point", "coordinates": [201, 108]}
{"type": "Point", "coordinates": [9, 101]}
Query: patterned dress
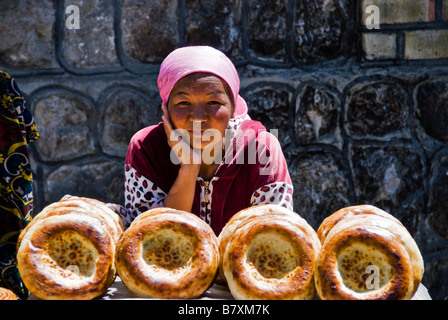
{"type": "Point", "coordinates": [17, 130]}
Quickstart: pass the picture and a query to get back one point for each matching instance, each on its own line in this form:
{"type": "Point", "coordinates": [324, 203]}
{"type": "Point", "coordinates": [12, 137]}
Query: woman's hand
{"type": "Point", "coordinates": [182, 192]}
{"type": "Point", "coordinates": [179, 142]}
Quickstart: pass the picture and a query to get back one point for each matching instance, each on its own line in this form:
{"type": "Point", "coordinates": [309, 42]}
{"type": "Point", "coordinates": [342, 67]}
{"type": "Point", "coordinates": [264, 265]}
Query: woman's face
{"type": "Point", "coordinates": [200, 101]}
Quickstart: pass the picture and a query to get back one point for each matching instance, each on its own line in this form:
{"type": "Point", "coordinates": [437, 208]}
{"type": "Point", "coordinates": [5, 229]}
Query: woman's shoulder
{"type": "Point", "coordinates": [148, 139]}
{"type": "Point", "coordinates": [148, 133]}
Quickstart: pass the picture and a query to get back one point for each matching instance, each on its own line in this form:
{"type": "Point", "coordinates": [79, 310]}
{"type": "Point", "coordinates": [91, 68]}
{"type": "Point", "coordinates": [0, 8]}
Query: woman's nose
{"type": "Point", "coordinates": [199, 113]}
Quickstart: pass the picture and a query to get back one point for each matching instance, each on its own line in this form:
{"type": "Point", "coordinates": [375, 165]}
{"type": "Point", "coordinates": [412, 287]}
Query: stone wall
{"type": "Point", "coordinates": [360, 100]}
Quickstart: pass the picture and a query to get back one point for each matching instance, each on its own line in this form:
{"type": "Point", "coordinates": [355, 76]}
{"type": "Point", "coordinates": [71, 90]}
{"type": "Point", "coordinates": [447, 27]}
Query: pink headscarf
{"type": "Point", "coordinates": [184, 61]}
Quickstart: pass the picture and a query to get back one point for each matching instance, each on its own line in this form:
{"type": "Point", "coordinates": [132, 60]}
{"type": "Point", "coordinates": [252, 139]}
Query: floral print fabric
{"type": "Point", "coordinates": [17, 130]}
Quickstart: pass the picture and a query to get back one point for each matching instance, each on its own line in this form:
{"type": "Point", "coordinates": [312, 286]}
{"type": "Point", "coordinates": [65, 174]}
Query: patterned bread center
{"type": "Point", "coordinates": [71, 255]}
{"type": "Point", "coordinates": [364, 267]}
{"type": "Point", "coordinates": [168, 249]}
{"type": "Point", "coordinates": [273, 255]}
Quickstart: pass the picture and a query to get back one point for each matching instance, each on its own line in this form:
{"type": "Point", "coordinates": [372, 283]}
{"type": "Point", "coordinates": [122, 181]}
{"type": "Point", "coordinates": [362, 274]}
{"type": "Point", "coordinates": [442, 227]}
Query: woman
{"type": "Point", "coordinates": [207, 156]}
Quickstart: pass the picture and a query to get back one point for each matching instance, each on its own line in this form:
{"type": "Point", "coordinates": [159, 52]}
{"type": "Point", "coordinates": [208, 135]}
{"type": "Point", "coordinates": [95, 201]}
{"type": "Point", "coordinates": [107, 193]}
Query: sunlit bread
{"type": "Point", "coordinates": [103, 207]}
{"type": "Point", "coordinates": [271, 257]}
{"type": "Point", "coordinates": [6, 294]}
{"type": "Point", "coordinates": [167, 254]}
{"type": "Point", "coordinates": [68, 256]}
{"type": "Point", "coordinates": [241, 217]}
{"type": "Point", "coordinates": [83, 206]}
{"type": "Point", "coordinates": [364, 242]}
{"type": "Point", "coordinates": [346, 212]}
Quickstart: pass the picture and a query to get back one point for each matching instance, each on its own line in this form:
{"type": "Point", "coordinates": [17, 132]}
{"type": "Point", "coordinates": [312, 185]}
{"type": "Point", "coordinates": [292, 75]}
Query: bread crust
{"type": "Point", "coordinates": [329, 222]}
{"type": "Point", "coordinates": [67, 256]}
{"type": "Point", "coordinates": [271, 257]}
{"type": "Point", "coordinates": [103, 207]}
{"type": "Point", "coordinates": [167, 254]}
{"type": "Point", "coordinates": [83, 206]}
{"type": "Point", "coordinates": [359, 237]}
{"type": "Point", "coordinates": [240, 218]}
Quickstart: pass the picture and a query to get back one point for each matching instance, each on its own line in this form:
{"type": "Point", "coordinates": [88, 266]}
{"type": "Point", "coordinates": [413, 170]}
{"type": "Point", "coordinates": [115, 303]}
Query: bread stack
{"type": "Point", "coordinates": [74, 248]}
{"type": "Point", "coordinates": [366, 254]}
{"type": "Point", "coordinates": [268, 252]}
{"type": "Point", "coordinates": [67, 251]}
{"type": "Point", "coordinates": [167, 254]}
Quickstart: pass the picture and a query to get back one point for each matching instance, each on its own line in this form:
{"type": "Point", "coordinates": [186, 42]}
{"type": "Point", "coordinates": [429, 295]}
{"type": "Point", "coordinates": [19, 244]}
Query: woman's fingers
{"type": "Point", "coordinates": [166, 119]}
{"type": "Point", "coordinates": [179, 140]}
{"type": "Point", "coordinates": [170, 132]}
{"type": "Point", "coordinates": [176, 141]}
{"type": "Point", "coordinates": [165, 109]}
{"type": "Point", "coordinates": [167, 126]}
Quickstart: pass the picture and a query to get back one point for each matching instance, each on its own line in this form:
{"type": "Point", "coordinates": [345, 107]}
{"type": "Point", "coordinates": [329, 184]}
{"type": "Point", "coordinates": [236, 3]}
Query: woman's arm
{"type": "Point", "coordinates": [181, 194]}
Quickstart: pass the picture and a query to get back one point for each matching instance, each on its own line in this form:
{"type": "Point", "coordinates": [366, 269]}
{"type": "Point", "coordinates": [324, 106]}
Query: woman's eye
{"type": "Point", "coordinates": [214, 103]}
{"type": "Point", "coordinates": [183, 103]}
